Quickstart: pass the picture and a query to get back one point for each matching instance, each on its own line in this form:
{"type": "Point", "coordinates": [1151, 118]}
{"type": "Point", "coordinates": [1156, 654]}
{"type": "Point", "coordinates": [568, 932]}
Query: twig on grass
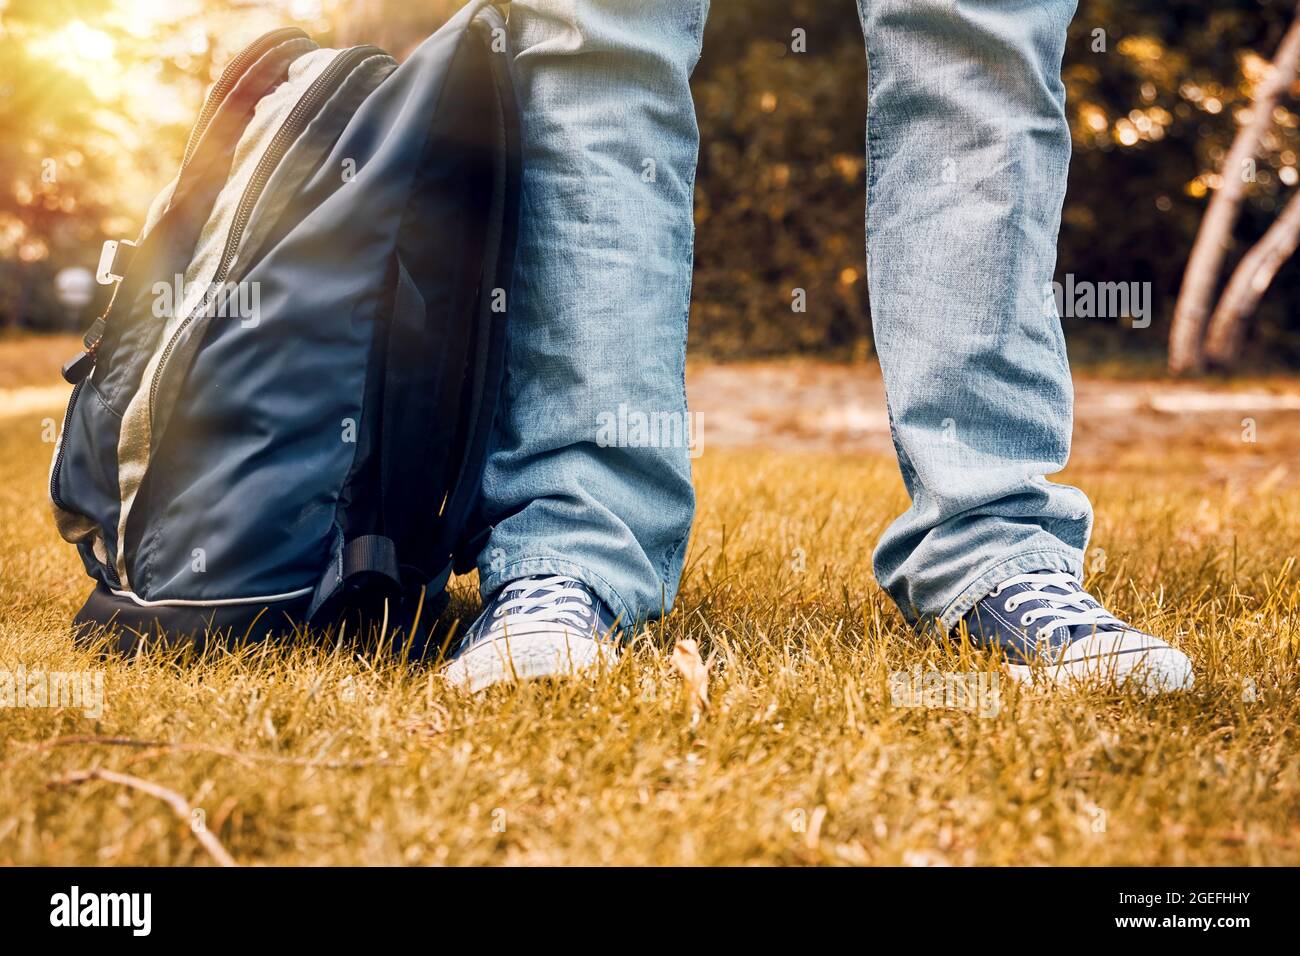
{"type": "Point", "coordinates": [180, 806]}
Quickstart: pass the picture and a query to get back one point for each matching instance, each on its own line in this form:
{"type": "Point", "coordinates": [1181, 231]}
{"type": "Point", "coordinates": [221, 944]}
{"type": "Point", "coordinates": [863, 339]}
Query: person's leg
{"type": "Point", "coordinates": [599, 306]}
{"type": "Point", "coordinates": [968, 148]}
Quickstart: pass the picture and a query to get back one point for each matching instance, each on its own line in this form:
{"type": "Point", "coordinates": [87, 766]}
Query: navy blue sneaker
{"type": "Point", "coordinates": [542, 626]}
{"type": "Point", "coordinates": [1051, 629]}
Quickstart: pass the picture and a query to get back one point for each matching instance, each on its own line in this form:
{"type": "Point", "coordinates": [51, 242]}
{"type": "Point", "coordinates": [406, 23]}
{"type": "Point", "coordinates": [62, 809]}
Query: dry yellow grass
{"type": "Point", "coordinates": [324, 755]}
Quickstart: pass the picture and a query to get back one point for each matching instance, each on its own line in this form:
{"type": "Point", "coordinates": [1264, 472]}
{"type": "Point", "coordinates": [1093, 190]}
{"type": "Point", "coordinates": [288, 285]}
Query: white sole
{"type": "Point", "coordinates": [1130, 661]}
{"type": "Point", "coordinates": [528, 657]}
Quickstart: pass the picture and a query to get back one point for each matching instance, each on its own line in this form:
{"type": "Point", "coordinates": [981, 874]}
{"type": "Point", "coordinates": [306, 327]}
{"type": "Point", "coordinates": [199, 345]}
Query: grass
{"type": "Point", "coordinates": [325, 755]}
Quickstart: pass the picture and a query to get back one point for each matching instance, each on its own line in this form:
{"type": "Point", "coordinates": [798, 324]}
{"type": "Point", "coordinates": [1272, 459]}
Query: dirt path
{"type": "Point", "coordinates": [1248, 425]}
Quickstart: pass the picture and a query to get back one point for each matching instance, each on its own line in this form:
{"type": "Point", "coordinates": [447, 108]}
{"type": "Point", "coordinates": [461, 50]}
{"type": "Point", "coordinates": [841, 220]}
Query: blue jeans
{"type": "Point", "coordinates": [968, 149]}
{"type": "Point", "coordinates": [599, 305]}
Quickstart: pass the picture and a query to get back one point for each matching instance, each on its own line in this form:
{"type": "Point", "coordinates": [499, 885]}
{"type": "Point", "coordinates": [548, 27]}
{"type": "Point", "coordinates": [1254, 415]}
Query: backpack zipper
{"type": "Point", "coordinates": [303, 112]}
{"type": "Point", "coordinates": [75, 372]}
{"type": "Point", "coordinates": [77, 368]}
{"type": "Point", "coordinates": [57, 467]}
{"type": "Point", "coordinates": [231, 75]}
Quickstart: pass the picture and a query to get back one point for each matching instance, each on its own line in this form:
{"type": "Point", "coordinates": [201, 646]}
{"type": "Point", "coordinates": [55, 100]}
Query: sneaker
{"type": "Point", "coordinates": [542, 626]}
{"type": "Point", "coordinates": [1050, 627]}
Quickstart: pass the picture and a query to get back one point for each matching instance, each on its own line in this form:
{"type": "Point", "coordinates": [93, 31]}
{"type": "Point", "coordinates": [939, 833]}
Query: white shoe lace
{"type": "Point", "coordinates": [1065, 610]}
{"type": "Point", "coordinates": [543, 601]}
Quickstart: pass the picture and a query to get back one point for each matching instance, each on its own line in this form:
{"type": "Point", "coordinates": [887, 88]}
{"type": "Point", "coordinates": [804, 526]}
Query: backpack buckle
{"type": "Point", "coordinates": [114, 259]}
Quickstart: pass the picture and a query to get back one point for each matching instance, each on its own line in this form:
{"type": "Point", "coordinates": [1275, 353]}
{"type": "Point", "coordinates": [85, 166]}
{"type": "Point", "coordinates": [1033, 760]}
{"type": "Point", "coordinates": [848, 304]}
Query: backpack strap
{"type": "Point", "coordinates": [369, 561]}
{"type": "Point", "coordinates": [498, 269]}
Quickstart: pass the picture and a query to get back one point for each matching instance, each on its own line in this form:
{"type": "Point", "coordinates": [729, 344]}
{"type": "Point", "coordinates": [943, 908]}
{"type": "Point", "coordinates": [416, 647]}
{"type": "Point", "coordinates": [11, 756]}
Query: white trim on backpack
{"type": "Point", "coordinates": [216, 602]}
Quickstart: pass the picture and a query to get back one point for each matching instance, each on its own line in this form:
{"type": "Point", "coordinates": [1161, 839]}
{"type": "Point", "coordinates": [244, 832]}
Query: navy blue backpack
{"type": "Point", "coordinates": [282, 417]}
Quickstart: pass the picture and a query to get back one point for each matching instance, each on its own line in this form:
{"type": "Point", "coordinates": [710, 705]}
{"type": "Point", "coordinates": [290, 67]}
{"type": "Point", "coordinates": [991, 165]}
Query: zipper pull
{"type": "Point", "coordinates": [78, 368]}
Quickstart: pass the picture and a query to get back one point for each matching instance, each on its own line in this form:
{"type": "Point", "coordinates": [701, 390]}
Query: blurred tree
{"type": "Point", "coordinates": [53, 188]}
{"type": "Point", "coordinates": [1248, 284]}
{"type": "Point", "coordinates": [781, 98]}
{"type": "Point", "coordinates": [96, 99]}
{"type": "Point", "coordinates": [107, 90]}
{"type": "Point", "coordinates": [1154, 116]}
{"type": "Point", "coordinates": [1152, 110]}
{"type": "Point", "coordinates": [1260, 265]}
{"type": "Point", "coordinates": [1214, 238]}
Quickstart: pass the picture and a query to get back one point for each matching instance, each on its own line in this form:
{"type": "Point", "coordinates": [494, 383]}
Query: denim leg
{"type": "Point", "coordinates": [968, 149]}
{"type": "Point", "coordinates": [599, 306]}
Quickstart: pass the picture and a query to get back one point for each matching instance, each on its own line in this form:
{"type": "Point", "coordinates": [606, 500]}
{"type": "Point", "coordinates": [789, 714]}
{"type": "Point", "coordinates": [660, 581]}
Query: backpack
{"type": "Point", "coordinates": [282, 417]}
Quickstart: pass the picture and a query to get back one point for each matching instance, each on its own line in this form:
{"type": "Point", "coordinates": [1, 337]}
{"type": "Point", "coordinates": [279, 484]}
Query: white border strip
{"type": "Point", "coordinates": [219, 602]}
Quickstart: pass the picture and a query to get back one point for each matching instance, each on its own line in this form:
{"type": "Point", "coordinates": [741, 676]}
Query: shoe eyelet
{"type": "Point", "coordinates": [497, 613]}
{"type": "Point", "coordinates": [1026, 619]}
{"type": "Point", "coordinates": [1012, 605]}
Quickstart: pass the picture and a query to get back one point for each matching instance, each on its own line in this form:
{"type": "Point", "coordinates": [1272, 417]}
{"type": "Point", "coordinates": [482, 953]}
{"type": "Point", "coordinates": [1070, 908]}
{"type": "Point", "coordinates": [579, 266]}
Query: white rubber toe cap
{"type": "Point", "coordinates": [536, 654]}
{"type": "Point", "coordinates": [1127, 660]}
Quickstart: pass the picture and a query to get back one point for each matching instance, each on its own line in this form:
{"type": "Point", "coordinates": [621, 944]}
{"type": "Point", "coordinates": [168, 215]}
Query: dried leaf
{"type": "Point", "coordinates": [695, 673]}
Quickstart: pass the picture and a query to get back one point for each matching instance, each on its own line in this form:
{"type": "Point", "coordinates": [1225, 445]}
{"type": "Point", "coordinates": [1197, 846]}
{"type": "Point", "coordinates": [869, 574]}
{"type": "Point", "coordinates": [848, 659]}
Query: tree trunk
{"type": "Point", "coordinates": [1214, 237]}
{"type": "Point", "coordinates": [1248, 284]}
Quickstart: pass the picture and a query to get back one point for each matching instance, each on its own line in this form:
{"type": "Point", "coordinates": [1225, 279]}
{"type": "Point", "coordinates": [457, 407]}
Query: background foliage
{"type": "Point", "coordinates": [107, 88]}
{"type": "Point", "coordinates": [781, 177]}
